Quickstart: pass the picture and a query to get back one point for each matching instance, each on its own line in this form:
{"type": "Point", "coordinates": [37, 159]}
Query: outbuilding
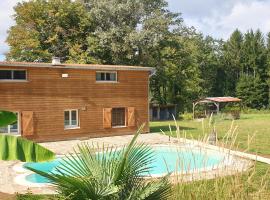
{"type": "Point", "coordinates": [214, 105]}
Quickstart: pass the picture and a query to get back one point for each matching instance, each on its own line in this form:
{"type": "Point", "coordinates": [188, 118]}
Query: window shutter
{"type": "Point", "coordinates": [107, 117]}
{"type": "Point", "coordinates": [131, 116]}
{"type": "Point", "coordinates": [27, 123]}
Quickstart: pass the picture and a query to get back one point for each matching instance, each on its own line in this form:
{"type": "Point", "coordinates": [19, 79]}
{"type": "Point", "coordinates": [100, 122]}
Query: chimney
{"type": "Point", "coordinates": [56, 61]}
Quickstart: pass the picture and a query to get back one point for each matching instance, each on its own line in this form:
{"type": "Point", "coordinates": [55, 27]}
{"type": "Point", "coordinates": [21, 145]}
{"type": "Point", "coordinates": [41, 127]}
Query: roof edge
{"type": "Point", "coordinates": [78, 66]}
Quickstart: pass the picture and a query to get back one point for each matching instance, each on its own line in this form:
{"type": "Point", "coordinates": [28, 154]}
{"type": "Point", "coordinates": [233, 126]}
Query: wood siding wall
{"type": "Point", "coordinates": [47, 95]}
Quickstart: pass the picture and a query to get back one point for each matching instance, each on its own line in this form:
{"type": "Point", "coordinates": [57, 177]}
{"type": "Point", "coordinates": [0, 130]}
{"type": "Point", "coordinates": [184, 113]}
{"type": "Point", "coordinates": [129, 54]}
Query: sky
{"type": "Point", "coordinates": [218, 18]}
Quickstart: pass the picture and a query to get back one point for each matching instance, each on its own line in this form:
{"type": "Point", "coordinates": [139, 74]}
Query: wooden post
{"type": "Point", "coordinates": [217, 105]}
{"type": "Point", "coordinates": [194, 105]}
{"type": "Point", "coordinates": [193, 110]}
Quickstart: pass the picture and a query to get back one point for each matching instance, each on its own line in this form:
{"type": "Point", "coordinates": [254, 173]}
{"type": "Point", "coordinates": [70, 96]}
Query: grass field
{"type": "Point", "coordinates": [247, 126]}
{"type": "Point", "coordinates": [227, 187]}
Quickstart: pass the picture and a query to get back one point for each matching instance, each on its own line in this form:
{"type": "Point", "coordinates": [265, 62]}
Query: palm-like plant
{"type": "Point", "coordinates": [7, 118]}
{"type": "Point", "coordinates": [17, 148]}
{"type": "Point", "coordinates": [110, 174]}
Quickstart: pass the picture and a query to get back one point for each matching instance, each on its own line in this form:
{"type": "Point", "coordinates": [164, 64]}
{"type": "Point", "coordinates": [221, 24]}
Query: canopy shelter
{"type": "Point", "coordinates": [215, 101]}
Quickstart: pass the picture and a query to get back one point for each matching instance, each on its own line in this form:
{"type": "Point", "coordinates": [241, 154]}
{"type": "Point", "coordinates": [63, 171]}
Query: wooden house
{"type": "Point", "coordinates": [57, 101]}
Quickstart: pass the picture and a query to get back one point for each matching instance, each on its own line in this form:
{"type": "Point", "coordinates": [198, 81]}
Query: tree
{"type": "Point", "coordinates": [268, 66]}
{"type": "Point", "coordinates": [232, 60]}
{"type": "Point", "coordinates": [208, 61]}
{"type": "Point", "coordinates": [142, 32]}
{"type": "Point", "coordinates": [255, 64]}
{"type": "Point", "coordinates": [253, 91]}
{"type": "Point", "coordinates": [178, 77]}
{"type": "Point", "coordinates": [45, 29]}
{"type": "Point", "coordinates": [110, 174]}
{"type": "Point", "coordinates": [125, 32]}
{"type": "Point", "coordinates": [254, 54]}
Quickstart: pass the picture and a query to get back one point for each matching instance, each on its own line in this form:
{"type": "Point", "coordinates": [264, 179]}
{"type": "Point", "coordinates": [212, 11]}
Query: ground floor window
{"type": "Point", "coordinates": [71, 119]}
{"type": "Point", "coordinates": [118, 117]}
{"type": "Point", "coordinates": [12, 128]}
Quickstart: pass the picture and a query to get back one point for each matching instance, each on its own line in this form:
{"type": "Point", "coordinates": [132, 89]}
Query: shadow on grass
{"type": "Point", "coordinates": [165, 128]}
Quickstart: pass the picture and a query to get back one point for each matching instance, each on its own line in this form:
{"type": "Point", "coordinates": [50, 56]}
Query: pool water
{"type": "Point", "coordinates": [167, 160]}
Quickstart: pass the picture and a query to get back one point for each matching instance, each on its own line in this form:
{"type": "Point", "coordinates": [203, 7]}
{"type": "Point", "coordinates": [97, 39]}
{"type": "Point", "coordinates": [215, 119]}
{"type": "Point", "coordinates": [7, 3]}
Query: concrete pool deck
{"type": "Point", "coordinates": [242, 163]}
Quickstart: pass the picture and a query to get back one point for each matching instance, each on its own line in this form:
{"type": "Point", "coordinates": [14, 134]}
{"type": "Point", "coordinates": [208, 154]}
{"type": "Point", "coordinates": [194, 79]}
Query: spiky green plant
{"type": "Point", "coordinates": [241, 185]}
{"type": "Point", "coordinates": [17, 148]}
{"type": "Point", "coordinates": [109, 174]}
{"type": "Point", "coordinates": [7, 118]}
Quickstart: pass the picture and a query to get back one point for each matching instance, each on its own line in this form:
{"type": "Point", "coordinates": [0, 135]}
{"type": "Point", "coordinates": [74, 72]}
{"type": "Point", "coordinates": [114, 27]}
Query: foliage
{"type": "Point", "coordinates": [110, 174]}
{"type": "Point", "coordinates": [248, 125]}
{"type": "Point", "coordinates": [251, 184]}
{"type": "Point", "coordinates": [186, 116]}
{"type": "Point", "coordinates": [17, 148]}
{"type": "Point", "coordinates": [48, 28]}
{"type": "Point", "coordinates": [256, 111]}
{"type": "Point", "coordinates": [241, 186]}
{"type": "Point", "coordinates": [232, 60]}
{"type": "Point", "coordinates": [189, 65]}
{"type": "Point", "coordinates": [7, 118]}
{"type": "Point", "coordinates": [253, 91]}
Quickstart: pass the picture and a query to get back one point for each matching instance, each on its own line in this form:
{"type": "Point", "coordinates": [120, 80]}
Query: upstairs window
{"type": "Point", "coordinates": [106, 76]}
{"type": "Point", "coordinates": [71, 119]}
{"type": "Point", "coordinates": [13, 75]}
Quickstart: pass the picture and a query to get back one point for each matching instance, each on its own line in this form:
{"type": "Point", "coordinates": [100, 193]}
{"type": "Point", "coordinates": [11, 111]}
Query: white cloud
{"type": "Point", "coordinates": [221, 18]}
{"type": "Point", "coordinates": [6, 12]}
{"type": "Point", "coordinates": [254, 15]}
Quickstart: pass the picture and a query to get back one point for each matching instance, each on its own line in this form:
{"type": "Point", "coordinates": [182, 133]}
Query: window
{"type": "Point", "coordinates": [12, 74]}
{"type": "Point", "coordinates": [106, 76]}
{"type": "Point", "coordinates": [71, 119]}
{"type": "Point", "coordinates": [118, 117]}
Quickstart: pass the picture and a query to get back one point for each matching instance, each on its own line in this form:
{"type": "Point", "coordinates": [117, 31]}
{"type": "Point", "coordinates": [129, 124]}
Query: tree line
{"type": "Point", "coordinates": [188, 64]}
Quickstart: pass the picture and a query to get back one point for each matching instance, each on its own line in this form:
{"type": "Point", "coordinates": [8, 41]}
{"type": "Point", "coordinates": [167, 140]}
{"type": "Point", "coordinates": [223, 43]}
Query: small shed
{"type": "Point", "coordinates": [158, 112]}
{"type": "Point", "coordinates": [216, 102]}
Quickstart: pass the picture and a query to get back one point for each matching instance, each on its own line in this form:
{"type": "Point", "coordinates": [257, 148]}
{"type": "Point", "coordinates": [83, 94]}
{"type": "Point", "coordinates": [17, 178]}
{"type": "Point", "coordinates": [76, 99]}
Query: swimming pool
{"type": "Point", "coordinates": [168, 159]}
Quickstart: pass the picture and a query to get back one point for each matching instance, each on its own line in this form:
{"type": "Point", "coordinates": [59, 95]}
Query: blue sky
{"type": "Point", "coordinates": [212, 17]}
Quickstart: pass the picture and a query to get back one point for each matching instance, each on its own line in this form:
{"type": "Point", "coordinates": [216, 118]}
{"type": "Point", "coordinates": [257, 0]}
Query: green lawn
{"type": "Point", "coordinates": [213, 189]}
{"type": "Point", "coordinates": [248, 125]}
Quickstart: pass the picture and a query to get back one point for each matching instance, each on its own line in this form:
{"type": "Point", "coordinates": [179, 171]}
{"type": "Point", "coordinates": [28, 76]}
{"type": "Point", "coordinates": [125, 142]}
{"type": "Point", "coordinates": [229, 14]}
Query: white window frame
{"type": "Point", "coordinates": [70, 126]}
{"type": "Point", "coordinates": [12, 76]}
{"type": "Point", "coordinates": [105, 81]}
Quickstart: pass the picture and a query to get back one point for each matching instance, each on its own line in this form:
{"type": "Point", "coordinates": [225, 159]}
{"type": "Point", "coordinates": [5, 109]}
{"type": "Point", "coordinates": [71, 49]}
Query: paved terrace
{"type": "Point", "coordinates": [7, 173]}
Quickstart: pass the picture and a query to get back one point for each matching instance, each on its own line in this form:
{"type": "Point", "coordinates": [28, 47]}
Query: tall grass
{"type": "Point", "coordinates": [226, 183]}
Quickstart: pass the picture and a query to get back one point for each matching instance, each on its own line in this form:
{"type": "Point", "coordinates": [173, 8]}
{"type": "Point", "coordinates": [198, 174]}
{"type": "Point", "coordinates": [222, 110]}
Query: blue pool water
{"type": "Point", "coordinates": [167, 159]}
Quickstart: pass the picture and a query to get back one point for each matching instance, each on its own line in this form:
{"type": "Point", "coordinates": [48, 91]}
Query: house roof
{"type": "Point", "coordinates": [77, 66]}
{"type": "Point", "coordinates": [219, 99]}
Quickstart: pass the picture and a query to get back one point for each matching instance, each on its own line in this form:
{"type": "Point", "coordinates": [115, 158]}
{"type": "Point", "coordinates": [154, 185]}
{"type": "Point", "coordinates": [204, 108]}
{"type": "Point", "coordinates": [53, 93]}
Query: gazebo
{"type": "Point", "coordinates": [215, 101]}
